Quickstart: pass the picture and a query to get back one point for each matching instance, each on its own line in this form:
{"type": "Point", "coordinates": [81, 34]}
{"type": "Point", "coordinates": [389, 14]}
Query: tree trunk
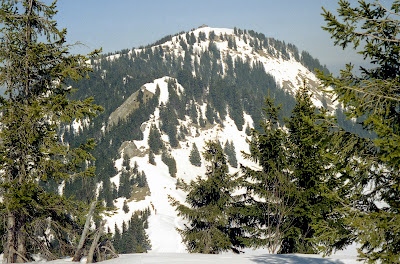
{"type": "Point", "coordinates": [78, 253]}
{"type": "Point", "coordinates": [9, 250]}
{"type": "Point", "coordinates": [15, 247]}
{"type": "Point", "coordinates": [21, 245]}
{"type": "Point", "coordinates": [95, 242]}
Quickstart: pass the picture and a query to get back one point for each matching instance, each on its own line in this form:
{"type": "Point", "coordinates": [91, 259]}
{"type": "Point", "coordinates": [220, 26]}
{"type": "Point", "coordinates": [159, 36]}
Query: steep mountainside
{"type": "Point", "coordinates": [163, 100]}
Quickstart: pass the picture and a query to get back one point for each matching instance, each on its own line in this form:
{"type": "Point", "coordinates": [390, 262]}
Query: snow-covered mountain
{"type": "Point", "coordinates": [196, 86]}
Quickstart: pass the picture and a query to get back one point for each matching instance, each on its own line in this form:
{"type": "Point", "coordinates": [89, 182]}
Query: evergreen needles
{"type": "Point", "coordinates": [35, 65]}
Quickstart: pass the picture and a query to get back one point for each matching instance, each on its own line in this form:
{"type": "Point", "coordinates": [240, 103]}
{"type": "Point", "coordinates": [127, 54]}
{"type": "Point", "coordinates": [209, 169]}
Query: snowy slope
{"type": "Point", "coordinates": [164, 220]}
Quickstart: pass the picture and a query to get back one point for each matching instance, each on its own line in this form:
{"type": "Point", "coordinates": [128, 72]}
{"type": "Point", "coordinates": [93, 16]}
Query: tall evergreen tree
{"type": "Point", "coordinates": [152, 158]}
{"type": "Point", "coordinates": [125, 187]}
{"type": "Point", "coordinates": [133, 238]}
{"type": "Point", "coordinates": [270, 191]}
{"type": "Point", "coordinates": [230, 151]}
{"type": "Point", "coordinates": [35, 65]}
{"type": "Point", "coordinates": [126, 162]}
{"type": "Point", "coordinates": [309, 135]}
{"type": "Point", "coordinates": [372, 217]}
{"type": "Point", "coordinates": [154, 141]}
{"type": "Point", "coordinates": [295, 165]}
{"type": "Point", "coordinates": [169, 160]}
{"type": "Point", "coordinates": [194, 156]}
{"type": "Point", "coordinates": [211, 228]}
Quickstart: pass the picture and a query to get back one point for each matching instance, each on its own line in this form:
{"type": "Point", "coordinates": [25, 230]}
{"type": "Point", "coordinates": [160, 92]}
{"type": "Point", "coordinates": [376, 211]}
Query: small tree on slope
{"type": "Point", "coordinates": [211, 227]}
{"type": "Point", "coordinates": [34, 67]}
{"type": "Point", "coordinates": [194, 156]}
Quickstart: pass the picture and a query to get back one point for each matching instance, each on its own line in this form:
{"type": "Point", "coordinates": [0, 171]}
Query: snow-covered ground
{"type": "Point", "coordinates": [252, 257]}
{"type": "Point", "coordinates": [249, 257]}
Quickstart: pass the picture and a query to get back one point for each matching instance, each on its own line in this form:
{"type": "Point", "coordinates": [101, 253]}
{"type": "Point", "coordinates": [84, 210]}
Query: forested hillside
{"type": "Point", "coordinates": [220, 69]}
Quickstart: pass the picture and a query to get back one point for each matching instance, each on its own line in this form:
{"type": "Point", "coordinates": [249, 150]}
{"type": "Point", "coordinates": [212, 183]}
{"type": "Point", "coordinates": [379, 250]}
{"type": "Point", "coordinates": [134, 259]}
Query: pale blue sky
{"type": "Point", "coordinates": [120, 24]}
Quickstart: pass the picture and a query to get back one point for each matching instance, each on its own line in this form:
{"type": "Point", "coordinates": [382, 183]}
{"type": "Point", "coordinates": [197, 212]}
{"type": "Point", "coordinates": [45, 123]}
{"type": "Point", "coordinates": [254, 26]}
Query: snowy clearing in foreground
{"type": "Point", "coordinates": [250, 257]}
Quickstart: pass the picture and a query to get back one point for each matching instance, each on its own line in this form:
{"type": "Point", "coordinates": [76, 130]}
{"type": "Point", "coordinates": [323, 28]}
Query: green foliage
{"type": "Point", "coordinates": [169, 160]}
{"type": "Point", "coordinates": [194, 156]}
{"type": "Point", "coordinates": [125, 186]}
{"type": "Point", "coordinates": [311, 63]}
{"type": "Point", "coordinates": [295, 165]}
{"type": "Point", "coordinates": [373, 96]}
{"type": "Point", "coordinates": [126, 162]}
{"type": "Point", "coordinates": [210, 114]}
{"type": "Point", "coordinates": [152, 158]}
{"type": "Point", "coordinates": [212, 227]}
{"type": "Point", "coordinates": [125, 207]}
{"type": "Point", "coordinates": [154, 141]}
{"type": "Point", "coordinates": [230, 152]}
{"type": "Point", "coordinates": [169, 121]}
{"type": "Point", "coordinates": [141, 180]}
{"type": "Point", "coordinates": [133, 238]}
{"type": "Point", "coordinates": [35, 68]}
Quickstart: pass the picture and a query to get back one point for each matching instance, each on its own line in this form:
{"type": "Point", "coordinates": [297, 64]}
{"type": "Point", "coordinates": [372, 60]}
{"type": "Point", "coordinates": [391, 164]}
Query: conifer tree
{"type": "Point", "coordinates": [169, 160]}
{"type": "Point", "coordinates": [230, 151]}
{"type": "Point", "coordinates": [212, 227]}
{"type": "Point", "coordinates": [116, 237]}
{"type": "Point", "coordinates": [151, 158]}
{"type": "Point", "coordinates": [269, 149]}
{"type": "Point", "coordinates": [194, 156]}
{"type": "Point", "coordinates": [133, 238]}
{"type": "Point", "coordinates": [295, 165]}
{"type": "Point", "coordinates": [125, 187]}
{"type": "Point", "coordinates": [371, 217]}
{"type": "Point", "coordinates": [154, 141]}
{"type": "Point", "coordinates": [126, 162]}
{"type": "Point", "coordinates": [309, 159]}
{"type": "Point", "coordinates": [125, 207]}
{"type": "Point", "coordinates": [35, 65]}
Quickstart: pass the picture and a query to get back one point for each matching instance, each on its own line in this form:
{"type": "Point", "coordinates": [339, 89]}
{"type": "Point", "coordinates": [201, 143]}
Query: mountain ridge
{"type": "Point", "coordinates": [206, 84]}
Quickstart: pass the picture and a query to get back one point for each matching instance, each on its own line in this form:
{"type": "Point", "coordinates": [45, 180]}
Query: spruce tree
{"type": "Point", "coordinates": [35, 65]}
{"type": "Point", "coordinates": [125, 207]}
{"type": "Point", "coordinates": [273, 183]}
{"type": "Point", "coordinates": [133, 238]}
{"type": "Point", "coordinates": [126, 162]}
{"type": "Point", "coordinates": [152, 158]}
{"type": "Point", "coordinates": [116, 237]}
{"type": "Point", "coordinates": [295, 165]}
{"type": "Point", "coordinates": [169, 160]}
{"type": "Point", "coordinates": [154, 141]}
{"type": "Point", "coordinates": [371, 217]}
{"type": "Point", "coordinates": [194, 156]}
{"type": "Point", "coordinates": [211, 224]}
{"type": "Point", "coordinates": [230, 151]}
{"type": "Point", "coordinates": [125, 187]}
{"type": "Point", "coordinates": [309, 135]}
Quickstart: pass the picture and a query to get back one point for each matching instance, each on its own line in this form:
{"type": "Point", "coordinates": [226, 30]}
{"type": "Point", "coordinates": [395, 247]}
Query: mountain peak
{"type": "Point", "coordinates": [160, 100]}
